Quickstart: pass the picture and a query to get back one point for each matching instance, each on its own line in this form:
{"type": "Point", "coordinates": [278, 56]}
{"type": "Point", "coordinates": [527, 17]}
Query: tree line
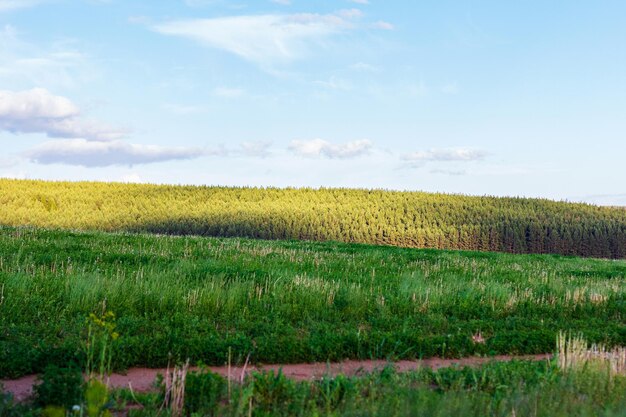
{"type": "Point", "coordinates": [408, 219]}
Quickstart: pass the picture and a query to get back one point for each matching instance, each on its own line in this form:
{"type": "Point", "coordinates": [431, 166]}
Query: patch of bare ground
{"type": "Point", "coordinates": [142, 379]}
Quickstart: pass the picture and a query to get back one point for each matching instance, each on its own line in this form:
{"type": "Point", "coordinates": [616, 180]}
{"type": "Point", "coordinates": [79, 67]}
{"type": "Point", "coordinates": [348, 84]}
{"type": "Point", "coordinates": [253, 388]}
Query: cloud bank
{"type": "Point", "coordinates": [100, 154]}
{"type": "Point", "coordinates": [39, 111]}
{"type": "Point", "coordinates": [316, 148]}
{"type": "Point", "coordinates": [84, 143]}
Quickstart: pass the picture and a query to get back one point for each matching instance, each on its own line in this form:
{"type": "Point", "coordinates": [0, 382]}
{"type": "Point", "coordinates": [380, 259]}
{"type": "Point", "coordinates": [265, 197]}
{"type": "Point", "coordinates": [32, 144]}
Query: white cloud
{"type": "Point", "coordinates": [39, 111]}
{"type": "Point", "coordinates": [383, 25]}
{"type": "Point", "coordinates": [100, 154]}
{"type": "Point", "coordinates": [262, 39]}
{"type": "Point", "coordinates": [350, 13]}
{"type": "Point", "coordinates": [316, 148]}
{"type": "Point", "coordinates": [282, 2]}
{"type": "Point", "coordinates": [80, 152]}
{"type": "Point", "coordinates": [34, 104]}
{"type": "Point", "coordinates": [445, 155]}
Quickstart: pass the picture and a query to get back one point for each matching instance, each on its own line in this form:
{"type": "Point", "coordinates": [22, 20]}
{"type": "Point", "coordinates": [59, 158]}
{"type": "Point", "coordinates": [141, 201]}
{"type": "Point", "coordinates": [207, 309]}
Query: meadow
{"type": "Point", "coordinates": [180, 297]}
{"type": "Point", "coordinates": [407, 219]}
{"type": "Point", "coordinates": [215, 275]}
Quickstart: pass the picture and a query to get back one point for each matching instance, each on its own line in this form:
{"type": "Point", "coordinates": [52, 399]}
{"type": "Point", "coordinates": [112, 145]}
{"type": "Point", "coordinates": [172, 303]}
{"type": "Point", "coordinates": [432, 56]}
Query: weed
{"type": "Point", "coordinates": [59, 386]}
{"type": "Point", "coordinates": [203, 392]}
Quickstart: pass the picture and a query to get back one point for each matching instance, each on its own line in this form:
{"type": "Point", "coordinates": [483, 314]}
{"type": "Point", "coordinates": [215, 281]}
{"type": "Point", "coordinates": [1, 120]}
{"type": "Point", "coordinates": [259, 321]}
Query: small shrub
{"type": "Point", "coordinates": [333, 391]}
{"type": "Point", "coordinates": [59, 386]}
{"type": "Point", "coordinates": [97, 402]}
{"type": "Point", "coordinates": [272, 391]}
{"type": "Point", "coordinates": [203, 392]}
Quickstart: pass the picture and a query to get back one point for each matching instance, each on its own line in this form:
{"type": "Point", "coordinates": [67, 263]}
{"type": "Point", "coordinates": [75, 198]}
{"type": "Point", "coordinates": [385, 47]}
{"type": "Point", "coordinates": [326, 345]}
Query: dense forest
{"type": "Point", "coordinates": [409, 219]}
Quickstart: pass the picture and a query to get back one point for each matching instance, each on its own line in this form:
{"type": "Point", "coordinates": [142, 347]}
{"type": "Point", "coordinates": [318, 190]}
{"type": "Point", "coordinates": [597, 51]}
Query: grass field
{"type": "Point", "coordinates": [285, 301]}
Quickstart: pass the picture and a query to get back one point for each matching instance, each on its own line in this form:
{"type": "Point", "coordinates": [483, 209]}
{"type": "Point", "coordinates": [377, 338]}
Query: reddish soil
{"type": "Point", "coordinates": [141, 379]}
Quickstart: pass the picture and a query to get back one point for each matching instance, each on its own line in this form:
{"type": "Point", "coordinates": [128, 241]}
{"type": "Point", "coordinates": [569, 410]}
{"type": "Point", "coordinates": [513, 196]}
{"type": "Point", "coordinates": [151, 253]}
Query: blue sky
{"type": "Point", "coordinates": [482, 97]}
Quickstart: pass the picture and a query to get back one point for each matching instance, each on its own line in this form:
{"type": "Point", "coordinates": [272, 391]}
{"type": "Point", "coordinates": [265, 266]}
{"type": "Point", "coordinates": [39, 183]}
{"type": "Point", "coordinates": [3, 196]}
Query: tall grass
{"type": "Point", "coordinates": [574, 353]}
{"type": "Point", "coordinates": [498, 389]}
{"type": "Point", "coordinates": [282, 301]}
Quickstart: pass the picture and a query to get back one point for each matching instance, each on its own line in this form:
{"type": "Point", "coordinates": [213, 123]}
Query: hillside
{"type": "Point", "coordinates": [288, 302]}
{"type": "Point", "coordinates": [407, 219]}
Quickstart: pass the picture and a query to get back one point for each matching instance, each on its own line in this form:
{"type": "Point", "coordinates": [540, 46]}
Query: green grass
{"type": "Point", "coordinates": [518, 388]}
{"type": "Point", "coordinates": [497, 389]}
{"type": "Point", "coordinates": [287, 301]}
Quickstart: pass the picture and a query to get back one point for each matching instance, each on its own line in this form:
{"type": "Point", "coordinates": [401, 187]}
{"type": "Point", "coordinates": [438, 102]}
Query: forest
{"type": "Point", "coordinates": [406, 219]}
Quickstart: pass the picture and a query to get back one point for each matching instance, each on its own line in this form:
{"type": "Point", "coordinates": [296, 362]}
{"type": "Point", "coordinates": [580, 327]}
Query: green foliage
{"type": "Point", "coordinates": [59, 387]}
{"type": "Point", "coordinates": [97, 403]}
{"type": "Point", "coordinates": [494, 378]}
{"type": "Point", "coordinates": [410, 219]}
{"type": "Point", "coordinates": [279, 302]}
{"type": "Point", "coordinates": [334, 391]}
{"type": "Point", "coordinates": [203, 392]}
{"type": "Point", "coordinates": [518, 388]}
{"type": "Point", "coordinates": [505, 389]}
{"type": "Point", "coordinates": [286, 301]}
{"type": "Point", "coordinates": [101, 335]}
{"type": "Point", "coordinates": [54, 411]}
{"type": "Point", "coordinates": [272, 392]}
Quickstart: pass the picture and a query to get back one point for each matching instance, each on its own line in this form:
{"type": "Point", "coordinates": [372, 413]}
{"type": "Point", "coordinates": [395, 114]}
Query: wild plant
{"type": "Point", "coordinates": [101, 335]}
{"type": "Point", "coordinates": [175, 389]}
{"type": "Point", "coordinates": [574, 353]}
{"type": "Point", "coordinates": [203, 392]}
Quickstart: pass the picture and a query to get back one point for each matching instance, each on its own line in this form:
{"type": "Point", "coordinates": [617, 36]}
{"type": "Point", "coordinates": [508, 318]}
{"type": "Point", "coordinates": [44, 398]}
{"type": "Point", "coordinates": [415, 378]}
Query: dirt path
{"type": "Point", "coordinates": [141, 379]}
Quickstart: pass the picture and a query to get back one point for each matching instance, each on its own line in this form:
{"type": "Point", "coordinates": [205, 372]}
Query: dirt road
{"type": "Point", "coordinates": [141, 379]}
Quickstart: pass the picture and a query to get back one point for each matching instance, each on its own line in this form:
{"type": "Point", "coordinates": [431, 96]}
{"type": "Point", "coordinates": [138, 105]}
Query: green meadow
{"type": "Point", "coordinates": [290, 301]}
{"type": "Point", "coordinates": [216, 276]}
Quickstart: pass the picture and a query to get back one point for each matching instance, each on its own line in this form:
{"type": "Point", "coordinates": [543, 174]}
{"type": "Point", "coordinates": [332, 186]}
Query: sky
{"type": "Point", "coordinates": [472, 97]}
